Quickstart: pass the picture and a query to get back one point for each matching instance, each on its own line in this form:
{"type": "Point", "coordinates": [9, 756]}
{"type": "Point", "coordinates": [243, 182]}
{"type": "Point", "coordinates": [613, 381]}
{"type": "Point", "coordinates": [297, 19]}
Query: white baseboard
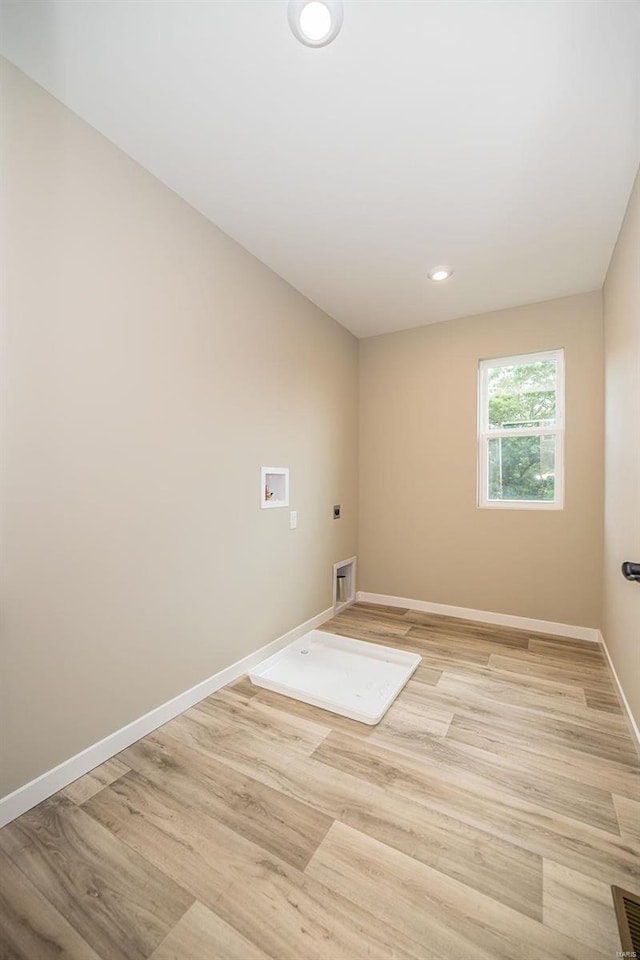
{"type": "Point", "coordinates": [630, 717]}
{"type": "Point", "coordinates": [484, 616]}
{"type": "Point", "coordinates": [27, 796]}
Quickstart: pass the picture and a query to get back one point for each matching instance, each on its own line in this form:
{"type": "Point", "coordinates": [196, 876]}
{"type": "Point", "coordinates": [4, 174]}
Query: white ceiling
{"type": "Point", "coordinates": [500, 136]}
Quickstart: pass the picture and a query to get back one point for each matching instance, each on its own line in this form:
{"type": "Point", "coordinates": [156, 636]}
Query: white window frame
{"type": "Point", "coordinates": [484, 434]}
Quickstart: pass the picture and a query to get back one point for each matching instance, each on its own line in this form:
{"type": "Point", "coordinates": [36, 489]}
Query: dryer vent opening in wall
{"type": "Point", "coordinates": [344, 583]}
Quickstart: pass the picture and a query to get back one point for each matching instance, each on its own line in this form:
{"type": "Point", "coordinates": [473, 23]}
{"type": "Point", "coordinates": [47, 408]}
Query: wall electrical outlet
{"type": "Point", "coordinates": [293, 519]}
{"type": "Point", "coordinates": [336, 511]}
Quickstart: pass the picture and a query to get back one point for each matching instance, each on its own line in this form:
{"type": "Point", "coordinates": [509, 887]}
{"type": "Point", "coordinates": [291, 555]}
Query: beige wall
{"type": "Point", "coordinates": [152, 365]}
{"type": "Point", "coordinates": [421, 534]}
{"type": "Point", "coordinates": [622, 452]}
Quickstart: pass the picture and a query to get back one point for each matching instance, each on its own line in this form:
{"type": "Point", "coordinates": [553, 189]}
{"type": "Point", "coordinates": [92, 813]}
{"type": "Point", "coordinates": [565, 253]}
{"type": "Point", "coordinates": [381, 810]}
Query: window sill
{"type": "Point", "coordinates": [520, 505]}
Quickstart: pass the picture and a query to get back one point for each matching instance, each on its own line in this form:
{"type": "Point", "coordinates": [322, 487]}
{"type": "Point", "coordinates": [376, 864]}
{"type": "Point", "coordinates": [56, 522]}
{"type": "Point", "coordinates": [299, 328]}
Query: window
{"type": "Point", "coordinates": [521, 431]}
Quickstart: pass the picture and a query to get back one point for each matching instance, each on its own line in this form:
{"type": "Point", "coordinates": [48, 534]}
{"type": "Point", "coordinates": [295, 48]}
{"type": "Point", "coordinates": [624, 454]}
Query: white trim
{"type": "Point", "coordinates": [484, 616]}
{"type": "Point", "coordinates": [538, 356]}
{"type": "Point", "coordinates": [522, 432]}
{"type": "Point", "coordinates": [630, 717]}
{"type": "Point", "coordinates": [27, 796]}
{"type": "Point", "coordinates": [522, 504]}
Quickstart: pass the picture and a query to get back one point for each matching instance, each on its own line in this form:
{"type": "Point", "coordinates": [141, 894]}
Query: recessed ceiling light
{"type": "Point", "coordinates": [315, 22]}
{"type": "Point", "coordinates": [440, 273]}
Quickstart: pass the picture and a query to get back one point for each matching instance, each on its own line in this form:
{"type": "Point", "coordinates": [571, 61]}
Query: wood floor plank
{"type": "Point", "coordinates": [13, 838]}
{"type": "Point", "coordinates": [288, 828]}
{"type": "Point", "coordinates": [243, 687]}
{"type": "Point", "coordinates": [459, 629]}
{"type": "Point", "coordinates": [557, 793]}
{"type": "Point", "coordinates": [554, 703]}
{"type": "Point", "coordinates": [267, 901]}
{"type": "Point", "coordinates": [549, 758]}
{"type": "Point", "coordinates": [510, 874]}
{"type": "Point", "coordinates": [580, 907]}
{"type": "Point", "coordinates": [469, 639]}
{"type": "Point", "coordinates": [536, 665]}
{"type": "Point", "coordinates": [550, 685]}
{"type": "Point", "coordinates": [427, 675]}
{"type": "Point", "coordinates": [605, 700]}
{"type": "Point", "coordinates": [577, 732]}
{"type": "Point", "coordinates": [567, 692]}
{"type": "Point", "coordinates": [628, 811]}
{"type": "Point", "coordinates": [575, 643]}
{"type": "Point", "coordinates": [568, 649]}
{"type": "Point", "coordinates": [490, 691]}
{"type": "Point", "coordinates": [458, 793]}
{"type": "Point", "coordinates": [386, 632]}
{"type": "Point", "coordinates": [437, 911]}
{"type": "Point", "coordinates": [120, 904]}
{"type": "Point", "coordinates": [412, 723]}
{"type": "Point", "coordinates": [294, 732]}
{"type": "Point", "coordinates": [435, 655]}
{"type": "Point", "coordinates": [85, 787]}
{"type": "Point", "coordinates": [31, 929]}
{"type": "Point", "coordinates": [305, 711]}
{"type": "Point", "coordinates": [372, 612]}
{"type": "Point", "coordinates": [560, 794]}
{"type": "Point", "coordinates": [202, 935]}
{"type": "Point", "coordinates": [383, 608]}
{"type": "Point", "coordinates": [441, 647]}
{"type": "Point", "coordinates": [402, 630]}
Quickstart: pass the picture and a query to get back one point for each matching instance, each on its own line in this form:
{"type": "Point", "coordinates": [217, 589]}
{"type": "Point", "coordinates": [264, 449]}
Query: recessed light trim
{"type": "Point", "coordinates": [315, 22]}
{"type": "Point", "coordinates": [440, 273]}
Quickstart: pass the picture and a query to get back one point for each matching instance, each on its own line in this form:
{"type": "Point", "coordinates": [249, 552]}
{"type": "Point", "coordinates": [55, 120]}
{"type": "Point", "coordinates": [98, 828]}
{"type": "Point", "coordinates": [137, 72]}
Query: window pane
{"type": "Point", "coordinates": [522, 468]}
{"type": "Point", "coordinates": [522, 395]}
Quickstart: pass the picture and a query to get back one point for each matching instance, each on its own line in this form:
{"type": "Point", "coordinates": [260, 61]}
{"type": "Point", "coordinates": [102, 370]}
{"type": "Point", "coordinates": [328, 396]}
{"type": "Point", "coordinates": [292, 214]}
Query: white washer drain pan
{"type": "Point", "coordinates": [356, 679]}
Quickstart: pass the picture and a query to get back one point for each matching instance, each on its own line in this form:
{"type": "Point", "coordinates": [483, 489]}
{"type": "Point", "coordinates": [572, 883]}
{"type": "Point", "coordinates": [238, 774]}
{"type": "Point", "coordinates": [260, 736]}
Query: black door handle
{"type": "Point", "coordinates": [631, 571]}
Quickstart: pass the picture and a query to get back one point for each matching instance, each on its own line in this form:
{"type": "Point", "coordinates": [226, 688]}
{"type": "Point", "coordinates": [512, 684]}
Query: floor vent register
{"type": "Point", "coordinates": [628, 915]}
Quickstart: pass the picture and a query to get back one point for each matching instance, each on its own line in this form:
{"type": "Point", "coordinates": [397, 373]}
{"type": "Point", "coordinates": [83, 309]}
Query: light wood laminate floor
{"type": "Point", "coordinates": [485, 817]}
